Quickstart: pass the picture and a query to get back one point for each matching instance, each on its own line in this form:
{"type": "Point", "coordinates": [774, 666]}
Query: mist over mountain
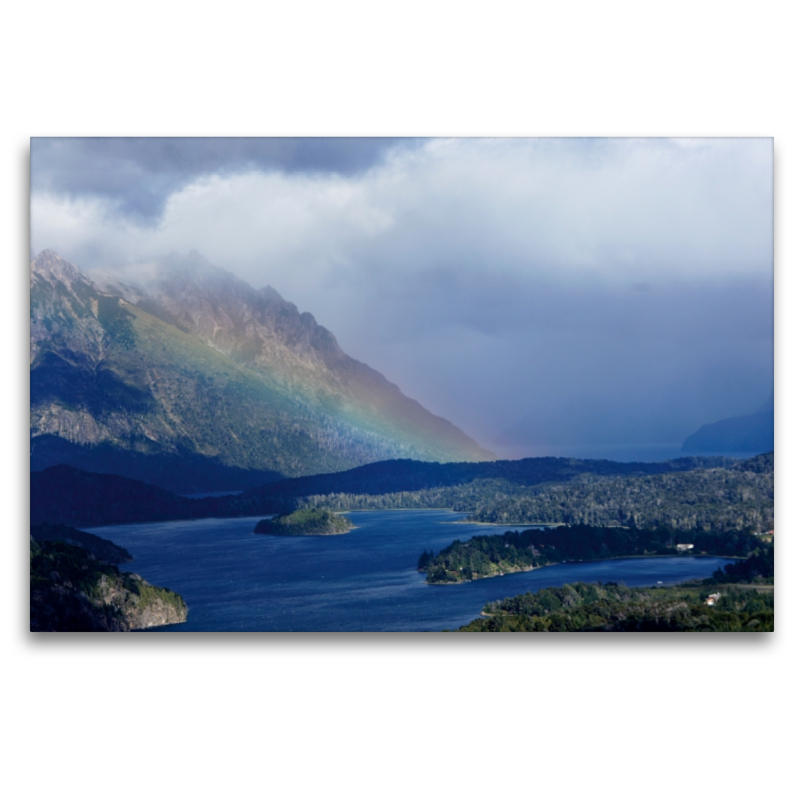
{"type": "Point", "coordinates": [180, 373]}
{"type": "Point", "coordinates": [751, 433]}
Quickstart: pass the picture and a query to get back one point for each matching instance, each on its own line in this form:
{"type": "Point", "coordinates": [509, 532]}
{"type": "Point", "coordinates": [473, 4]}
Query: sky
{"type": "Point", "coordinates": [586, 297]}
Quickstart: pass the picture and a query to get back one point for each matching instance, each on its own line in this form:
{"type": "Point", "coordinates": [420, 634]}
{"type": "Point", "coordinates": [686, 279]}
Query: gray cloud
{"type": "Point", "coordinates": [573, 292]}
{"type": "Point", "coordinates": [595, 363]}
{"type": "Point", "coordinates": [137, 175]}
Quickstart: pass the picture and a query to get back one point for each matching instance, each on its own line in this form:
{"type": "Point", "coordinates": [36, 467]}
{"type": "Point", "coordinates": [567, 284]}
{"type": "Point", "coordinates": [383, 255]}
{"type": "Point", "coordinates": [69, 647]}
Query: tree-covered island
{"type": "Point", "coordinates": [305, 522]}
{"type": "Point", "coordinates": [489, 556]}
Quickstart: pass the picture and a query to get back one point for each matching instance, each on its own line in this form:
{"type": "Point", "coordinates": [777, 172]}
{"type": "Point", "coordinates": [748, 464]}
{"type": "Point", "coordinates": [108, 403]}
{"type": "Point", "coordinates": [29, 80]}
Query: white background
{"type": "Point", "coordinates": [396, 715]}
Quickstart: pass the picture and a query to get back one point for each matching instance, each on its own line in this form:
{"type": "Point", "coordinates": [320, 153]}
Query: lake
{"type": "Point", "coordinates": [365, 580]}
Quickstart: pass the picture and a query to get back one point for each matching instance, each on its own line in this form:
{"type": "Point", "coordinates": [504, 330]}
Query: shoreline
{"type": "Point", "coordinates": [300, 535]}
{"type": "Point", "coordinates": [515, 524]}
{"type": "Point", "coordinates": [577, 561]}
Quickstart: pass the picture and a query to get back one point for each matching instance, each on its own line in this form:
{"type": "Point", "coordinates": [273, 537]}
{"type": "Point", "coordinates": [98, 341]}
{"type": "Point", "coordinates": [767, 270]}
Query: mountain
{"type": "Point", "coordinates": [189, 378]}
{"type": "Point", "coordinates": [754, 433]}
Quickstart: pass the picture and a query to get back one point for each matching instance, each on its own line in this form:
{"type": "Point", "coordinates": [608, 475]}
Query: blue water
{"type": "Point", "coordinates": [365, 580]}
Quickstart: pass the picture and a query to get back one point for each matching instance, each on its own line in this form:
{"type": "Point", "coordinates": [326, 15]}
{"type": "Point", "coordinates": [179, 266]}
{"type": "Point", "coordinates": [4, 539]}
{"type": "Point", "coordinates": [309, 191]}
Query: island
{"type": "Point", "coordinates": [305, 522]}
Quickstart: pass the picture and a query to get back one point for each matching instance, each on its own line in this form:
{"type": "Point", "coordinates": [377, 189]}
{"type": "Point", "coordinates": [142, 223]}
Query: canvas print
{"type": "Point", "coordinates": [392, 384]}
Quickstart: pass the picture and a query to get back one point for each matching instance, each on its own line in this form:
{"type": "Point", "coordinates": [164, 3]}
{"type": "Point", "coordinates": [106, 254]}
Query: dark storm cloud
{"type": "Point", "coordinates": [137, 175]}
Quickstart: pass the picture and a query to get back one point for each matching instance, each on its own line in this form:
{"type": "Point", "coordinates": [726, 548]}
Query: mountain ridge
{"type": "Point", "coordinates": [191, 360]}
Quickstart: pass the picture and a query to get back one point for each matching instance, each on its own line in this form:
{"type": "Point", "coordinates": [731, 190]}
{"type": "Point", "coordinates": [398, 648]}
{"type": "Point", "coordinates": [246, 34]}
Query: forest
{"type": "Point", "coordinates": [740, 497]}
{"type": "Point", "coordinates": [71, 589]}
{"type": "Point", "coordinates": [685, 494]}
{"type": "Point", "coordinates": [487, 556]}
{"type": "Point", "coordinates": [612, 607]}
{"type": "Point", "coordinates": [710, 499]}
{"type": "Point", "coordinates": [736, 497]}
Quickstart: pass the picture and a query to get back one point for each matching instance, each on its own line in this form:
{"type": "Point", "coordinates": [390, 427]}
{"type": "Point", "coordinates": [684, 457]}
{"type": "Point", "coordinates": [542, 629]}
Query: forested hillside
{"type": "Point", "coordinates": [487, 556]}
{"type": "Point", "coordinates": [712, 493]}
{"type": "Point", "coordinates": [585, 607]}
{"type": "Point", "coordinates": [738, 496]}
{"type": "Point", "coordinates": [72, 590]}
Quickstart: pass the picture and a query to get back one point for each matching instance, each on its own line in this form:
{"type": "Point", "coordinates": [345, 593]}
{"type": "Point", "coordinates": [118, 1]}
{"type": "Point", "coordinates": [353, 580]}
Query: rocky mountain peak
{"type": "Point", "coordinates": [51, 266]}
{"type": "Point", "coordinates": [270, 294]}
{"type": "Point", "coordinates": [253, 326]}
{"type": "Point", "coordinates": [64, 310]}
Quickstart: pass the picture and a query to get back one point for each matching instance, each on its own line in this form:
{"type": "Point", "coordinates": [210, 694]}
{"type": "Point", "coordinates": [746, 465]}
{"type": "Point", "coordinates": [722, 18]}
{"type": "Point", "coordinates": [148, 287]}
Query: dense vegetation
{"type": "Point", "coordinates": [706, 498]}
{"type": "Point", "coordinates": [592, 607]}
{"type": "Point", "coordinates": [584, 607]}
{"type": "Point", "coordinates": [423, 484]}
{"type": "Point", "coordinates": [758, 567]}
{"type": "Point", "coordinates": [305, 522]}
{"type": "Point", "coordinates": [486, 556]}
{"type": "Point", "coordinates": [71, 590]}
{"type": "Point", "coordinates": [100, 548]}
{"type": "Point", "coordinates": [714, 493]}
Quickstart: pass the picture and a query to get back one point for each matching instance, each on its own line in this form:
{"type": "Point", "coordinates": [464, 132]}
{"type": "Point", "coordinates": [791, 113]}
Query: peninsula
{"type": "Point", "coordinates": [495, 555]}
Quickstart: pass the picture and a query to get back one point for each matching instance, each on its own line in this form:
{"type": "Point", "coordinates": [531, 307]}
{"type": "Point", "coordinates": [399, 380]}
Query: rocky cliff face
{"type": "Point", "coordinates": [64, 311]}
{"type": "Point", "coordinates": [72, 590]}
{"type": "Point", "coordinates": [186, 362]}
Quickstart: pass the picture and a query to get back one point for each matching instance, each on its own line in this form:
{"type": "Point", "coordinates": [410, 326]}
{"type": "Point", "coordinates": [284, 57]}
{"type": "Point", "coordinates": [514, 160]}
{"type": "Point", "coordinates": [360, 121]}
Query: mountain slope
{"type": "Point", "coordinates": [752, 433]}
{"type": "Point", "coordinates": [200, 370]}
